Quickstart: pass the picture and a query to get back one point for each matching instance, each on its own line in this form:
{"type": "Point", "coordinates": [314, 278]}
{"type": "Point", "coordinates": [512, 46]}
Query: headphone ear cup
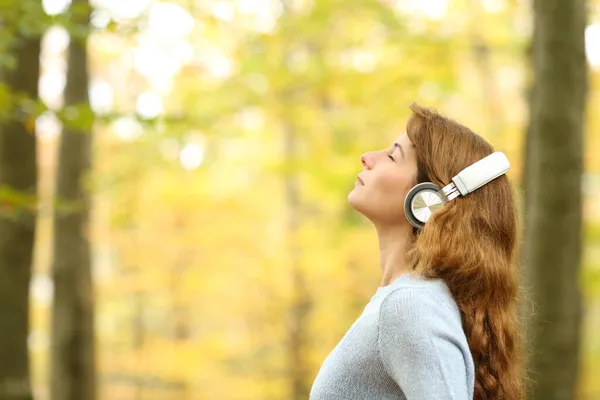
{"type": "Point", "coordinates": [421, 202]}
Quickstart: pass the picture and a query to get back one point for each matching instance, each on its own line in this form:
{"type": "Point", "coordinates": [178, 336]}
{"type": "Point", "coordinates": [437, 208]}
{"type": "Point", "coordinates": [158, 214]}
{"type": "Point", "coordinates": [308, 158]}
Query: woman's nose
{"type": "Point", "coordinates": [365, 161]}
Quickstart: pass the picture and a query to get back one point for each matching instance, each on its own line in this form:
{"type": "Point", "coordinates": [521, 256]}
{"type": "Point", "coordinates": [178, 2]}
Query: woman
{"type": "Point", "coordinates": [443, 323]}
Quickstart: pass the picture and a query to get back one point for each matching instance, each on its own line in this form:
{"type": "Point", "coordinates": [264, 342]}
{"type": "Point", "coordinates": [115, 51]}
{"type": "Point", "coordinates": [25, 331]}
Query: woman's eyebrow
{"type": "Point", "coordinates": [400, 147]}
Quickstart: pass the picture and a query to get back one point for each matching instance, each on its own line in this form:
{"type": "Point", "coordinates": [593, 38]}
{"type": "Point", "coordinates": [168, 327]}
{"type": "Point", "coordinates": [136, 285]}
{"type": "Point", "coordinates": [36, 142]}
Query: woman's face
{"type": "Point", "coordinates": [386, 178]}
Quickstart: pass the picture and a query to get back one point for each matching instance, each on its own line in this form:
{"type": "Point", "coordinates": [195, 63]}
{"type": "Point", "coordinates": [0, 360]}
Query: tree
{"type": "Point", "coordinates": [553, 196]}
{"type": "Point", "coordinates": [18, 188]}
{"type": "Point", "coordinates": [73, 355]}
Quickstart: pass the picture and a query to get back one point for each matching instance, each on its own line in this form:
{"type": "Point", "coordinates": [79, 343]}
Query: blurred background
{"type": "Point", "coordinates": [174, 179]}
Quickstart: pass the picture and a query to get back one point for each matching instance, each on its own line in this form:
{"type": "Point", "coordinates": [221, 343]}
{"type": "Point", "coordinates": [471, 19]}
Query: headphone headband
{"type": "Point", "coordinates": [483, 171]}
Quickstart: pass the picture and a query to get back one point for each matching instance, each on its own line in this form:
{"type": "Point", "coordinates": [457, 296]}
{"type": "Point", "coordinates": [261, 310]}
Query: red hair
{"type": "Point", "coordinates": [471, 243]}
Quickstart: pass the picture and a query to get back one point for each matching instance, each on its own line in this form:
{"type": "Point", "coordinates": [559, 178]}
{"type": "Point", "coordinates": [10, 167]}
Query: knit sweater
{"type": "Point", "coordinates": [408, 344]}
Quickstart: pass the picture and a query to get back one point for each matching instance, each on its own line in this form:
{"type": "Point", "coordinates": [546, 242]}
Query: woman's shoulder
{"type": "Point", "coordinates": [412, 298]}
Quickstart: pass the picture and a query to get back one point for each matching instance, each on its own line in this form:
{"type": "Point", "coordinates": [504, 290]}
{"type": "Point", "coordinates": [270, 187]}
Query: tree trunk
{"type": "Point", "coordinates": [73, 355]}
{"type": "Point", "coordinates": [18, 173]}
{"type": "Point", "coordinates": [301, 304]}
{"type": "Point", "coordinates": [553, 223]}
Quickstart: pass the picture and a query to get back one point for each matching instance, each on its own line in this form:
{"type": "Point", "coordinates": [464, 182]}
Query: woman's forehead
{"type": "Point", "coordinates": [404, 140]}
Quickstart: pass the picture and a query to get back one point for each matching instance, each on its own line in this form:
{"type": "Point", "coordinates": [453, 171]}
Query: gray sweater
{"type": "Point", "coordinates": [408, 343]}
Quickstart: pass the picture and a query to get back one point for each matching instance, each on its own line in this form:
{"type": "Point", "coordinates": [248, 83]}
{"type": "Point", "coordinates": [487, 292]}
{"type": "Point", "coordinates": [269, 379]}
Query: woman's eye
{"type": "Point", "coordinates": [391, 158]}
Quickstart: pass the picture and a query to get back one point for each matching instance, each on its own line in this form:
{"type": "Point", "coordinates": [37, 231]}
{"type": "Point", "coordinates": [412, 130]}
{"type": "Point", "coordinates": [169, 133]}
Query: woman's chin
{"type": "Point", "coordinates": [355, 199]}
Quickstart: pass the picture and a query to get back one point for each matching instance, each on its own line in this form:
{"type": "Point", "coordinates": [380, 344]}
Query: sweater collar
{"type": "Point", "coordinates": [392, 285]}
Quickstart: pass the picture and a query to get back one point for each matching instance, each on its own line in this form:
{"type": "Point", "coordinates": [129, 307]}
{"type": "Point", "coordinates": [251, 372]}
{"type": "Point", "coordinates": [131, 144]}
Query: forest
{"type": "Point", "coordinates": [174, 179]}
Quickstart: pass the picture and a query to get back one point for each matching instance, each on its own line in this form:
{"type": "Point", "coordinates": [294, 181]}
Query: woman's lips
{"type": "Point", "coordinates": [360, 180]}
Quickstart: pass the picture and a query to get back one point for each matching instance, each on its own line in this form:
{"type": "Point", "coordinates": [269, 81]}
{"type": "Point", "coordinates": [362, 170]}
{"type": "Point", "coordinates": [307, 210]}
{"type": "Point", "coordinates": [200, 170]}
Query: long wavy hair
{"type": "Point", "coordinates": [472, 244]}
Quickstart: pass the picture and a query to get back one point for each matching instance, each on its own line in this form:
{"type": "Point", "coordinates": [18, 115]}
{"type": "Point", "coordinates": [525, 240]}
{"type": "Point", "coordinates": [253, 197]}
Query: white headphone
{"type": "Point", "coordinates": [426, 198]}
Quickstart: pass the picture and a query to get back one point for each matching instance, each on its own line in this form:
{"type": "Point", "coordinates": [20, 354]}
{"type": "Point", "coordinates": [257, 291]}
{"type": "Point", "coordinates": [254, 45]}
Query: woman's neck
{"type": "Point", "coordinates": [394, 243]}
